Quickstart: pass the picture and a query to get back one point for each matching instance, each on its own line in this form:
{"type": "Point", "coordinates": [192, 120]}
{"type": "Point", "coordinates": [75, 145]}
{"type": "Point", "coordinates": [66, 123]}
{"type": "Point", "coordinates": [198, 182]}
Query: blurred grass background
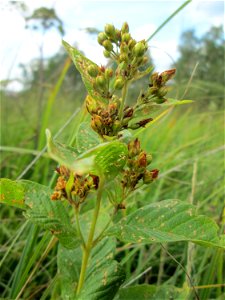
{"type": "Point", "coordinates": [187, 147]}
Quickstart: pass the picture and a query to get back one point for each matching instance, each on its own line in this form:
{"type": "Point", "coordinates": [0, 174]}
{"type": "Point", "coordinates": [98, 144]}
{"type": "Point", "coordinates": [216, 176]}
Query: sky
{"type": "Point", "coordinates": [19, 45]}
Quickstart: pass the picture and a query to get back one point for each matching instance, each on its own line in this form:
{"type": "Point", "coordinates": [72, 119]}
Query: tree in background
{"type": "Point", "coordinates": [206, 54]}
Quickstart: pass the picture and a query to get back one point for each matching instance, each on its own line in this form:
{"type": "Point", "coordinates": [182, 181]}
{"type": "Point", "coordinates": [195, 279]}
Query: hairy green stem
{"type": "Point", "coordinates": [87, 249]}
{"type": "Point", "coordinates": [124, 95]}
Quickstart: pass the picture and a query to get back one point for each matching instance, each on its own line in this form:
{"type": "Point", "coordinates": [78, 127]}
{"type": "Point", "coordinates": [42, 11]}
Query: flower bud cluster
{"type": "Point", "coordinates": [104, 117]}
{"type": "Point", "coordinates": [137, 163]}
{"type": "Point", "coordinates": [100, 79]}
{"type": "Point", "coordinates": [122, 48]}
{"type": "Point", "coordinates": [77, 190]}
{"type": "Point", "coordinates": [157, 88]}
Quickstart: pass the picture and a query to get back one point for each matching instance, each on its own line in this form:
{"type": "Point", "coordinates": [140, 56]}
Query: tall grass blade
{"type": "Point", "coordinates": [168, 19]}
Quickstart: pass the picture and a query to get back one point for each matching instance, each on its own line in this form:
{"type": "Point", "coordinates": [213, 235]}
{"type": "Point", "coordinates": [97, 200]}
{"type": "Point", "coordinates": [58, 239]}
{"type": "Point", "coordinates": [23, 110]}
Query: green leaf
{"type": "Point", "coordinates": [104, 275]}
{"type": "Point", "coordinates": [107, 158]}
{"type": "Point", "coordinates": [167, 221]}
{"type": "Point", "coordinates": [85, 222]}
{"type": "Point", "coordinates": [151, 292]}
{"type": "Point", "coordinates": [137, 292]}
{"type": "Point", "coordinates": [59, 152]}
{"type": "Point", "coordinates": [82, 63]}
{"type": "Point", "coordinates": [69, 265]}
{"type": "Point", "coordinates": [12, 193]}
{"type": "Point", "coordinates": [144, 73]}
{"type": "Point", "coordinates": [110, 158]}
{"type": "Point", "coordinates": [87, 138]}
{"type": "Point", "coordinates": [172, 101]}
{"type": "Point", "coordinates": [50, 215]}
{"type": "Point", "coordinates": [151, 109]}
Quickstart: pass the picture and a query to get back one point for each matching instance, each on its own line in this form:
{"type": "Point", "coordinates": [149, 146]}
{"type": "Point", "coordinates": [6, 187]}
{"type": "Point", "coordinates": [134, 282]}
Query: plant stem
{"type": "Point", "coordinates": [78, 227]}
{"type": "Point", "coordinates": [124, 95]}
{"type": "Point", "coordinates": [87, 249]}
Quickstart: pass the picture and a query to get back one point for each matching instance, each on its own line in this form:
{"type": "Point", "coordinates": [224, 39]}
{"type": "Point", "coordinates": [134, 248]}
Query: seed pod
{"type": "Point", "coordinates": [110, 30]}
{"type": "Point", "coordinates": [125, 27]}
{"type": "Point", "coordinates": [139, 49]}
{"type": "Point", "coordinates": [101, 37]}
{"type": "Point", "coordinates": [93, 70]}
{"type": "Point", "coordinates": [107, 45]}
{"type": "Point", "coordinates": [119, 83]}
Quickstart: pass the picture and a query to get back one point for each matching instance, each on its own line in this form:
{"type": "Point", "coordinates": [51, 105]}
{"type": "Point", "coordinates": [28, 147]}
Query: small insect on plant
{"type": "Point", "coordinates": [92, 210]}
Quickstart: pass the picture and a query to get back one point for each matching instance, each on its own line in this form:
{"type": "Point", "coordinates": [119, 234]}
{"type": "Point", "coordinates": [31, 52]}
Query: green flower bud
{"type": "Point", "coordinates": [134, 148]}
{"type": "Point", "coordinates": [163, 91]}
{"type": "Point", "coordinates": [160, 100]}
{"type": "Point", "coordinates": [142, 160]}
{"type": "Point", "coordinates": [131, 44]}
{"type": "Point", "coordinates": [134, 126]}
{"type": "Point", "coordinates": [128, 112]}
{"type": "Point", "coordinates": [109, 73]}
{"type": "Point", "coordinates": [101, 81]}
{"type": "Point", "coordinates": [91, 105]}
{"type": "Point", "coordinates": [139, 49]}
{"type": "Point", "coordinates": [125, 121]}
{"type": "Point", "coordinates": [119, 83]}
{"type": "Point", "coordinates": [149, 159]}
{"type": "Point", "coordinates": [118, 35]}
{"type": "Point", "coordinates": [124, 48]}
{"type": "Point", "coordinates": [110, 30]}
{"type": "Point", "coordinates": [106, 53]}
{"type": "Point", "coordinates": [96, 122]}
{"type": "Point", "coordinates": [101, 38]}
{"type": "Point", "coordinates": [147, 177]}
{"type": "Point", "coordinates": [144, 60]}
{"type": "Point", "coordinates": [126, 37]}
{"type": "Point", "coordinates": [107, 45]}
{"type": "Point", "coordinates": [123, 58]}
{"type": "Point", "coordinates": [112, 107]}
{"type": "Point", "coordinates": [125, 27]}
{"type": "Point", "coordinates": [122, 65]}
{"type": "Point", "coordinates": [167, 75]}
{"type": "Point", "coordinates": [93, 70]}
{"type": "Point", "coordinates": [116, 126]}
